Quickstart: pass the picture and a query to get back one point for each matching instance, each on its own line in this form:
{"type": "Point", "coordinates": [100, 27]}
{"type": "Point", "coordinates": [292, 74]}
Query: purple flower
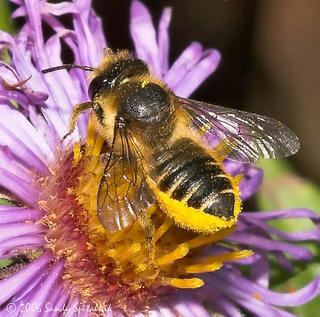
{"type": "Point", "coordinates": [62, 260]}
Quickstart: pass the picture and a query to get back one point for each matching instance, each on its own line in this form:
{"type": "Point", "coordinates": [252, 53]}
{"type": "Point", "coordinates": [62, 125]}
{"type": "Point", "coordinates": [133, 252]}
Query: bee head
{"type": "Point", "coordinates": [116, 73]}
{"type": "Point", "coordinates": [138, 100]}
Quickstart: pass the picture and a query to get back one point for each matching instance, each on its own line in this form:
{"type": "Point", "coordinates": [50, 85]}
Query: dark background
{"type": "Point", "coordinates": [270, 58]}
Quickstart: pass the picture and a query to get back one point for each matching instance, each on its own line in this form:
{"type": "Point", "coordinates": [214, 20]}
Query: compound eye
{"type": "Point", "coordinates": [95, 85]}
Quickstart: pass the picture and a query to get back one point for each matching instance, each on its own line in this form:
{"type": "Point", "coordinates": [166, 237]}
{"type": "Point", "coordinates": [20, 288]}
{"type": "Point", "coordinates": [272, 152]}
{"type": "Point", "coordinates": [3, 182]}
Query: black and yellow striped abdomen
{"type": "Point", "coordinates": [190, 179]}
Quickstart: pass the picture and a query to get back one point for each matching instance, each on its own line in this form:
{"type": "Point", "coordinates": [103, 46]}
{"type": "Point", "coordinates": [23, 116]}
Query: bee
{"type": "Point", "coordinates": [169, 150]}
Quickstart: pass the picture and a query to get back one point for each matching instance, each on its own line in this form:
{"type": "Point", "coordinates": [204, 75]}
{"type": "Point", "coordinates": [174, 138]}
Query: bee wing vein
{"type": "Point", "coordinates": [247, 136]}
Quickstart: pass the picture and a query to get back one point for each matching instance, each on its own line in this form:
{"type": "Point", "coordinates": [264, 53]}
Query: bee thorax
{"type": "Point", "coordinates": [144, 103]}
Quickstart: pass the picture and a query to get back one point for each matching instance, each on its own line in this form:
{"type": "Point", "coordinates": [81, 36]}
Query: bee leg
{"type": "Point", "coordinates": [147, 224]}
{"type": "Point", "coordinates": [77, 110]}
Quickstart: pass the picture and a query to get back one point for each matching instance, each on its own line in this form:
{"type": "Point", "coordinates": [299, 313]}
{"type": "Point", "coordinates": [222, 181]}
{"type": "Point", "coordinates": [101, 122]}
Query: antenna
{"type": "Point", "coordinates": [67, 66]}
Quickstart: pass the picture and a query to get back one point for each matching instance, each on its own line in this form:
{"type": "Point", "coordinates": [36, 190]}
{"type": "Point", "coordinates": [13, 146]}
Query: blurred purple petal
{"type": "Point", "coordinates": [144, 36]}
{"type": "Point", "coordinates": [23, 190]}
{"type": "Point", "coordinates": [252, 177]}
{"type": "Point", "coordinates": [295, 236]}
{"type": "Point", "coordinates": [11, 285]}
{"type": "Point", "coordinates": [266, 244]}
{"type": "Point", "coordinates": [20, 243]}
{"type": "Point", "coordinates": [163, 40]}
{"type": "Point", "coordinates": [220, 303]}
{"type": "Point", "coordinates": [251, 182]}
{"type": "Point", "coordinates": [283, 214]}
{"type": "Point", "coordinates": [183, 65]}
{"type": "Point", "coordinates": [33, 284]}
{"type": "Point", "coordinates": [15, 214]}
{"type": "Point", "coordinates": [13, 230]}
{"type": "Point", "coordinates": [242, 292]}
{"type": "Point", "coordinates": [206, 66]}
{"type": "Point", "coordinates": [299, 297]}
{"type": "Point", "coordinates": [260, 272]}
{"type": "Point", "coordinates": [42, 296]}
{"type": "Point", "coordinates": [186, 305]}
{"type": "Point", "coordinates": [90, 47]}
{"type": "Point", "coordinates": [72, 305]}
{"type": "Point", "coordinates": [62, 301]}
{"type": "Point", "coordinates": [23, 139]}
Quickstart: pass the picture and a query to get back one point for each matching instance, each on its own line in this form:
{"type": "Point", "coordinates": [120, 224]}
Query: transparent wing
{"type": "Point", "coordinates": [245, 136]}
{"type": "Point", "coordinates": [122, 192]}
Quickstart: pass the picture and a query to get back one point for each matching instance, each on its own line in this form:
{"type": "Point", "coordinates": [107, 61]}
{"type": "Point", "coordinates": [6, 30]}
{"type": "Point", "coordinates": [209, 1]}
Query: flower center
{"type": "Point", "coordinates": [119, 269]}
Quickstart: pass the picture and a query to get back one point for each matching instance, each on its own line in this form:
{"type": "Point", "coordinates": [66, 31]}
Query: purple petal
{"type": "Point", "coordinates": [12, 284]}
{"type": "Point", "coordinates": [144, 36]}
{"type": "Point", "coordinates": [21, 58]}
{"type": "Point", "coordinates": [12, 165]}
{"type": "Point", "coordinates": [250, 260]}
{"type": "Point", "coordinates": [34, 284]}
{"type": "Point", "coordinates": [198, 309]}
{"type": "Point", "coordinates": [41, 59]}
{"type": "Point", "coordinates": [14, 214]}
{"type": "Point", "coordinates": [22, 95]}
{"type": "Point", "coordinates": [95, 25]}
{"type": "Point", "coordinates": [21, 243]}
{"type": "Point", "coordinates": [70, 93]}
{"type": "Point", "coordinates": [18, 154]}
{"type": "Point", "coordinates": [282, 214]}
{"type": "Point", "coordinates": [25, 69]}
{"type": "Point", "coordinates": [220, 302]}
{"type": "Point", "coordinates": [13, 230]}
{"type": "Point", "coordinates": [91, 50]}
{"type": "Point", "coordinates": [239, 290]}
{"type": "Point", "coordinates": [161, 311]}
{"type": "Point", "coordinates": [294, 236]}
{"type": "Point", "coordinates": [260, 272]}
{"type": "Point", "coordinates": [206, 66]}
{"type": "Point", "coordinates": [72, 306]}
{"type": "Point", "coordinates": [283, 261]}
{"type": "Point", "coordinates": [86, 38]}
{"type": "Point", "coordinates": [255, 241]}
{"type": "Point", "coordinates": [58, 8]}
{"type": "Point", "coordinates": [60, 304]}
{"type": "Point", "coordinates": [251, 182]}
{"type": "Point", "coordinates": [51, 307]}
{"type": "Point", "coordinates": [41, 296]}
{"type": "Point", "coordinates": [185, 305]}
{"type": "Point", "coordinates": [45, 129]}
{"type": "Point", "coordinates": [296, 298]}
{"type": "Point", "coordinates": [20, 188]}
{"type": "Point", "coordinates": [23, 139]}
{"type": "Point", "coordinates": [252, 177]}
{"type": "Point", "coordinates": [163, 39]}
{"type": "Point", "coordinates": [183, 65]}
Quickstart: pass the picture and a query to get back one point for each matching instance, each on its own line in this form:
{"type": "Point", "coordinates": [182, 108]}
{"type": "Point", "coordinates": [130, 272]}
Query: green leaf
{"type": "Point", "coordinates": [5, 20]}
{"type": "Point", "coordinates": [284, 189]}
{"type": "Point", "coordinates": [7, 202]}
{"type": "Point", "coordinates": [4, 263]}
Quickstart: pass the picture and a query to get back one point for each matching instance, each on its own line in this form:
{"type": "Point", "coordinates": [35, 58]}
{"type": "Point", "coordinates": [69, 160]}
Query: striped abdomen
{"type": "Point", "coordinates": [190, 175]}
